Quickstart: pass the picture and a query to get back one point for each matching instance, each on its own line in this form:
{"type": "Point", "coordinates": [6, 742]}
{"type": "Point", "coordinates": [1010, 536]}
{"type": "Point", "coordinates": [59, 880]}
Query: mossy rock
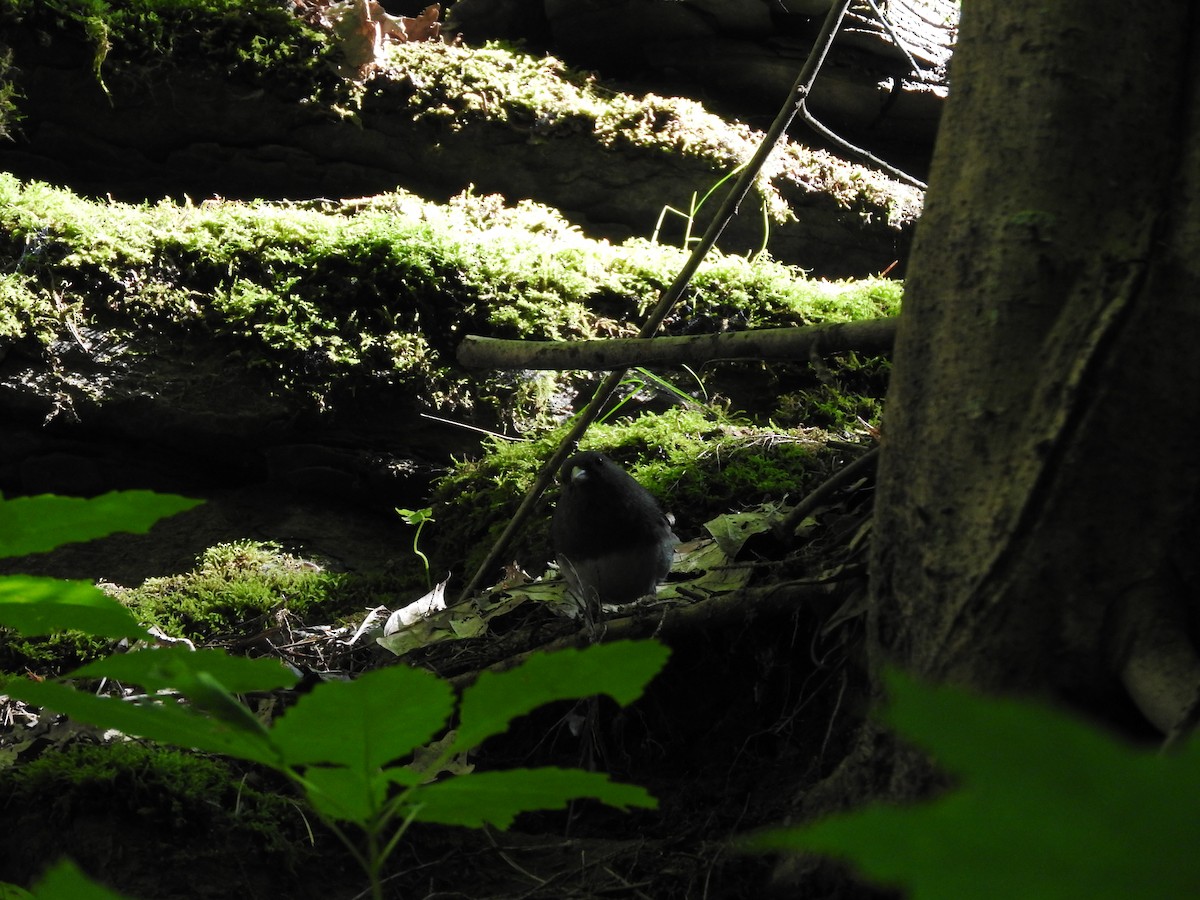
{"type": "Point", "coordinates": [242, 99]}
{"type": "Point", "coordinates": [154, 822]}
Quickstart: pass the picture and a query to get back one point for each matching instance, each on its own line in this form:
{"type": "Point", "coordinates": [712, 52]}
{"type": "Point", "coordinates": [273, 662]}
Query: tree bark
{"type": "Point", "coordinates": [1039, 469]}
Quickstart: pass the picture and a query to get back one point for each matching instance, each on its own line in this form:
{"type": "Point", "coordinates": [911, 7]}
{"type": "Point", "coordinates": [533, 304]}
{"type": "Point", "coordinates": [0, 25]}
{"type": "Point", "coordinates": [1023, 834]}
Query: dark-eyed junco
{"type": "Point", "coordinates": [612, 540]}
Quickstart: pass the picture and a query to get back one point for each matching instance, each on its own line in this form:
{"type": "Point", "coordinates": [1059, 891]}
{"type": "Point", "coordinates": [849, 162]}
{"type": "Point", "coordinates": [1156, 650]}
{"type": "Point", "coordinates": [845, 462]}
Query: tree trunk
{"type": "Point", "coordinates": [1036, 511]}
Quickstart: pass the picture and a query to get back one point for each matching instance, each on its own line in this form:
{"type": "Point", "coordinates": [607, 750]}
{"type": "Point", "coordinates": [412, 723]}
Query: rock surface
{"type": "Point", "coordinates": [744, 55]}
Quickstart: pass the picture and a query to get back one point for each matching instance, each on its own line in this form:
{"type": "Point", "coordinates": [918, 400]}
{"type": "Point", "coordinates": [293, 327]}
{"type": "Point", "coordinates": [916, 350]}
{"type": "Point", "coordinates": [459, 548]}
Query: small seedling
{"type": "Point", "coordinates": [694, 207]}
{"type": "Point", "coordinates": [419, 517]}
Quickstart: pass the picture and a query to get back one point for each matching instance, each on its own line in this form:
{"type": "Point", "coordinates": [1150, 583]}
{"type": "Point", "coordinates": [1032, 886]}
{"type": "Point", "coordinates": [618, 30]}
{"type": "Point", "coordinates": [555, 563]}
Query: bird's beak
{"type": "Point", "coordinates": [578, 473]}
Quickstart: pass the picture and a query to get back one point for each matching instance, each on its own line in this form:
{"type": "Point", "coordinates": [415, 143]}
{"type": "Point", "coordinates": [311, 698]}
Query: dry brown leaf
{"type": "Point", "coordinates": [363, 27]}
{"type": "Point", "coordinates": [426, 26]}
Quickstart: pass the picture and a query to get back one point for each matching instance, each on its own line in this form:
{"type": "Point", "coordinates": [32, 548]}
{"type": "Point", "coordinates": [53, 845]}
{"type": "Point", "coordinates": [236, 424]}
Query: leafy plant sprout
{"type": "Point", "coordinates": [642, 378]}
{"type": "Point", "coordinates": [419, 517]}
{"type": "Point", "coordinates": [694, 209]}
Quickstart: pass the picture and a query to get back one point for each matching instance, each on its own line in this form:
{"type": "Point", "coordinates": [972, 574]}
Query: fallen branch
{"type": "Point", "coordinates": [873, 336]}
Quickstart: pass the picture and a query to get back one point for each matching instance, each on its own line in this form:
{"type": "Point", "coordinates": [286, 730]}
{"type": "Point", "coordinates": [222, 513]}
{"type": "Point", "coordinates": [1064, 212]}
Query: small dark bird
{"type": "Point", "coordinates": [613, 542]}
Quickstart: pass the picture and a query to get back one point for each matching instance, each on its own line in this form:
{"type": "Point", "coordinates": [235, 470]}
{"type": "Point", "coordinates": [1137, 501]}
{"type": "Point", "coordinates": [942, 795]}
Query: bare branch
{"type": "Point", "coordinates": [873, 336]}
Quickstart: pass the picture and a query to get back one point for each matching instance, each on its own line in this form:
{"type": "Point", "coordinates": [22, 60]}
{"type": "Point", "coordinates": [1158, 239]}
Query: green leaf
{"type": "Point", "coordinates": [1049, 808]}
{"type": "Point", "coordinates": [179, 668]}
{"type": "Point", "coordinates": [37, 606]}
{"type": "Point", "coordinates": [365, 723]}
{"type": "Point", "coordinates": [37, 524]}
{"type": "Point", "coordinates": [65, 882]}
{"type": "Point", "coordinates": [352, 795]}
{"type": "Point", "coordinates": [731, 531]}
{"type": "Point", "coordinates": [496, 798]}
{"type": "Point", "coordinates": [208, 678]}
{"type": "Point", "coordinates": [416, 516]}
{"type": "Point", "coordinates": [621, 669]}
{"type": "Point", "coordinates": [164, 721]}
{"type": "Point", "coordinates": [12, 892]}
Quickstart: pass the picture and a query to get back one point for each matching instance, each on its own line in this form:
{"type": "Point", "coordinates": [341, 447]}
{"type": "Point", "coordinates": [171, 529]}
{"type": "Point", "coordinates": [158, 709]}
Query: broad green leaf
{"type": "Point", "coordinates": [352, 795]}
{"type": "Point", "coordinates": [178, 668]}
{"type": "Point", "coordinates": [37, 524]}
{"type": "Point", "coordinates": [37, 606]}
{"type": "Point", "coordinates": [165, 721]}
{"type": "Point", "coordinates": [731, 531]}
{"type": "Point", "coordinates": [64, 881]}
{"type": "Point", "coordinates": [208, 678]}
{"type": "Point", "coordinates": [365, 723]}
{"type": "Point", "coordinates": [12, 892]}
{"type": "Point", "coordinates": [621, 669]}
{"type": "Point", "coordinates": [496, 798]}
{"type": "Point", "coordinates": [1049, 807]}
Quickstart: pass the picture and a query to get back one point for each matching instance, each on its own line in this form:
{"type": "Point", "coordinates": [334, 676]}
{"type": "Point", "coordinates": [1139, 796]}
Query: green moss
{"type": "Point", "coordinates": [461, 85]}
{"type": "Point", "coordinates": [25, 311]}
{"type": "Point", "coordinates": [10, 115]}
{"type": "Point", "coordinates": [238, 584]}
{"type": "Point", "coordinates": [830, 407]}
{"type": "Point", "coordinates": [198, 805]}
{"type": "Point", "coordinates": [700, 467]}
{"type": "Point", "coordinates": [171, 779]}
{"type": "Point", "coordinates": [49, 656]}
{"type": "Point", "coordinates": [233, 590]}
{"type": "Point", "coordinates": [540, 96]}
{"type": "Point", "coordinates": [256, 40]}
{"type": "Point", "coordinates": [327, 298]}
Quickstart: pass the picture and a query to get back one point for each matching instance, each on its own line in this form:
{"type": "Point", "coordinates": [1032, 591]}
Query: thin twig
{"type": "Point", "coordinates": [476, 428]}
{"type": "Point", "coordinates": [900, 45]}
{"type": "Point", "coordinates": [834, 483]}
{"type": "Point", "coordinates": [865, 155]}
